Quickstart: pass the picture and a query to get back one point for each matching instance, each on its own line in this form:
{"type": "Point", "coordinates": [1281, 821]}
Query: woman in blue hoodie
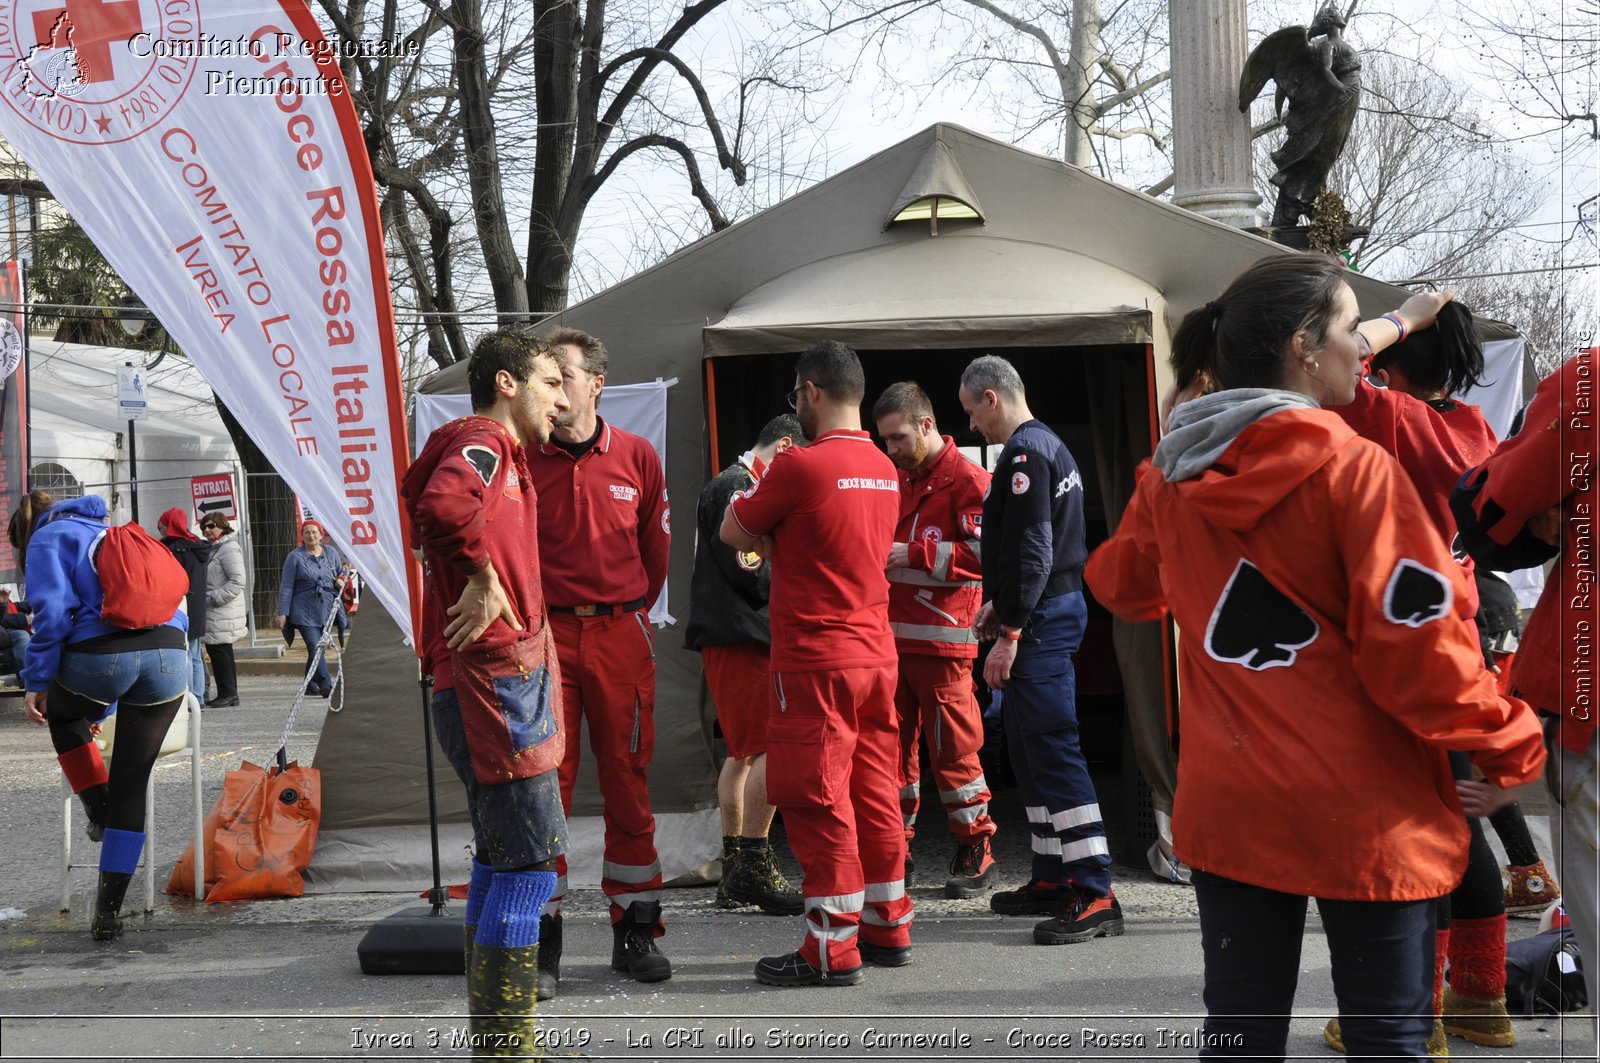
{"type": "Point", "coordinates": [78, 665]}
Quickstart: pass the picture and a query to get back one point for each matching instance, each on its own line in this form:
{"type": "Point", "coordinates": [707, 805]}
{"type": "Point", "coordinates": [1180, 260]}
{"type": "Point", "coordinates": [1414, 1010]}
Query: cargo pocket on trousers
{"type": "Point", "coordinates": [795, 775]}
{"type": "Point", "coordinates": [525, 702]}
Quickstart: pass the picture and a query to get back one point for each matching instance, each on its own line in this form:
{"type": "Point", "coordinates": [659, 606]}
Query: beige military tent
{"type": "Point", "coordinates": [943, 247]}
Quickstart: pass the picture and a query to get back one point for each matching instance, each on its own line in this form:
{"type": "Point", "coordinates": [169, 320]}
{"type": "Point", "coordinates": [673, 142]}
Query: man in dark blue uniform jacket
{"type": "Point", "coordinates": [1033, 555]}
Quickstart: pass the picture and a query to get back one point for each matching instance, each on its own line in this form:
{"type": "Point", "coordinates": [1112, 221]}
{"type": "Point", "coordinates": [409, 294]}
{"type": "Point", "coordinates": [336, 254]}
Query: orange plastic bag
{"type": "Point", "coordinates": [259, 835]}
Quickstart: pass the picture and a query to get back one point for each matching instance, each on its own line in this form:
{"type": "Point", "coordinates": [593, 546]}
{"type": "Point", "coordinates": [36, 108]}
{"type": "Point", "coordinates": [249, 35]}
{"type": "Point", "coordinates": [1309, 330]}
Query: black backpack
{"type": "Point", "coordinates": [1544, 974]}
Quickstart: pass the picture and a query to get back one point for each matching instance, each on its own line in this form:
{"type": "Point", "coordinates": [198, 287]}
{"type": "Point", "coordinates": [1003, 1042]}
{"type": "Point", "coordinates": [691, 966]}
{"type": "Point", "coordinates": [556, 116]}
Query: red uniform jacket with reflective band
{"type": "Point", "coordinates": [1433, 446]}
{"type": "Point", "coordinates": [468, 499]}
{"type": "Point", "coordinates": [1529, 473]}
{"type": "Point", "coordinates": [933, 599]}
{"type": "Point", "coordinates": [1325, 664]}
{"type": "Point", "coordinates": [604, 524]}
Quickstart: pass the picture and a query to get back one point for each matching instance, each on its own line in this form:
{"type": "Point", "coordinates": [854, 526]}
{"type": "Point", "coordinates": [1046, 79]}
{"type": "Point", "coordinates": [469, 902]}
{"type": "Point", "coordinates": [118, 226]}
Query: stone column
{"type": "Point", "coordinates": [1210, 137]}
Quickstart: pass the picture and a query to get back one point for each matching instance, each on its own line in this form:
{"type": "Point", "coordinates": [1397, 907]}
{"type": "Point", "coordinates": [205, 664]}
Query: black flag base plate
{"type": "Point", "coordinates": [415, 941]}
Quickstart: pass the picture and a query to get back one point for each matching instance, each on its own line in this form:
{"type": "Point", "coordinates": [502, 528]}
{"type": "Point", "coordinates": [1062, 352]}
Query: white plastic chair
{"type": "Point", "coordinates": [182, 740]}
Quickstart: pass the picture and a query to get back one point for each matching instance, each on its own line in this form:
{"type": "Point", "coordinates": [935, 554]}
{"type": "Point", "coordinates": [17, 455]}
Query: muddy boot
{"type": "Point", "coordinates": [107, 924]}
{"type": "Point", "coordinates": [549, 955]}
{"type": "Point", "coordinates": [501, 995]}
{"type": "Point", "coordinates": [730, 860]}
{"type": "Point", "coordinates": [757, 880]}
{"type": "Point", "coordinates": [634, 948]}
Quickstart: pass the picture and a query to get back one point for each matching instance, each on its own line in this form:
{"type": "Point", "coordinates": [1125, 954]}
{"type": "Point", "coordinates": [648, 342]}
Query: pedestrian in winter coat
{"type": "Point", "coordinates": [194, 555]}
{"type": "Point", "coordinates": [227, 611]}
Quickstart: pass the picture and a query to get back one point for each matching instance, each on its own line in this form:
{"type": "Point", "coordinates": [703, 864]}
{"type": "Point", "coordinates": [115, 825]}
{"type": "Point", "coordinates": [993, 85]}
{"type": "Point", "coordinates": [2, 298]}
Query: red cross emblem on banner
{"type": "Point", "coordinates": [89, 27]}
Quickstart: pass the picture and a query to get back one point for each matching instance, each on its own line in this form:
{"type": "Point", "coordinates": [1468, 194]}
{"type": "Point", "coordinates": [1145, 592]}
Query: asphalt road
{"type": "Point", "coordinates": [280, 979]}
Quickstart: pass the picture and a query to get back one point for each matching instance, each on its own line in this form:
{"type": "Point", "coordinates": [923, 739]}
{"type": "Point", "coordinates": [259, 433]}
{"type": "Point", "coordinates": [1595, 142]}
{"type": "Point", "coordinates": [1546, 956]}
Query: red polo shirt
{"type": "Point", "coordinates": [604, 527]}
{"type": "Point", "coordinates": [831, 508]}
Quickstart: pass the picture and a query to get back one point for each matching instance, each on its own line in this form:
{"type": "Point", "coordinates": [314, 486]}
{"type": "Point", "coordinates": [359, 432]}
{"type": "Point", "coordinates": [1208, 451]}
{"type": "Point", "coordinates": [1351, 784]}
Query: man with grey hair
{"type": "Point", "coordinates": [1033, 556]}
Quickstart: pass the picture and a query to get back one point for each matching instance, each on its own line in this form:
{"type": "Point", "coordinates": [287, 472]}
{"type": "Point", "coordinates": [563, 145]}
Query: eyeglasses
{"type": "Point", "coordinates": [794, 397]}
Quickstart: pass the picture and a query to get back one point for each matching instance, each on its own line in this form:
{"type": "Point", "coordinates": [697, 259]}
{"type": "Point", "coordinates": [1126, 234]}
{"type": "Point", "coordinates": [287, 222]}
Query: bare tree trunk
{"type": "Point", "coordinates": [1077, 86]}
{"type": "Point", "coordinates": [557, 28]}
{"type": "Point", "coordinates": [483, 160]}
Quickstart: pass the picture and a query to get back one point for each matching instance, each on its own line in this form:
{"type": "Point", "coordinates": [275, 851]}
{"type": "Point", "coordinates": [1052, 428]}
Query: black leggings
{"type": "Point", "coordinates": [140, 730]}
{"type": "Point", "coordinates": [1480, 895]}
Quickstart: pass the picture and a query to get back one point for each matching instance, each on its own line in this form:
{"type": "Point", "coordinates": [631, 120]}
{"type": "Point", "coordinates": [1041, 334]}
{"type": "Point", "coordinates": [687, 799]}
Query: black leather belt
{"type": "Point", "coordinates": [599, 610]}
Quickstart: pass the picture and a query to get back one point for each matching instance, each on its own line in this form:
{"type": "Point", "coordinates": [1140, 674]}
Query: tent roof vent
{"type": "Point", "coordinates": [936, 189]}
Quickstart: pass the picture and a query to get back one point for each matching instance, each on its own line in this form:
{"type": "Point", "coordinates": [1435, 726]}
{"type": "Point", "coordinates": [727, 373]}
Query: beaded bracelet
{"type": "Point", "coordinates": [1398, 322]}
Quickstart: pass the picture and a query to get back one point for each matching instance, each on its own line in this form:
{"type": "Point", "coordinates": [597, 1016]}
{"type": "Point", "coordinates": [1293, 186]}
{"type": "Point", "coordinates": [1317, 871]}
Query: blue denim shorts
{"type": "Point", "coordinates": [134, 677]}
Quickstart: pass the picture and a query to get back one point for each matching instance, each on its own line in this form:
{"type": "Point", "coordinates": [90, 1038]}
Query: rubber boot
{"type": "Point", "coordinates": [634, 947]}
{"type": "Point", "coordinates": [501, 997]}
{"type": "Point", "coordinates": [502, 985]}
{"type": "Point", "coordinates": [85, 772]}
{"type": "Point", "coordinates": [549, 955]}
{"type": "Point", "coordinates": [119, 859]}
{"type": "Point", "coordinates": [107, 924]}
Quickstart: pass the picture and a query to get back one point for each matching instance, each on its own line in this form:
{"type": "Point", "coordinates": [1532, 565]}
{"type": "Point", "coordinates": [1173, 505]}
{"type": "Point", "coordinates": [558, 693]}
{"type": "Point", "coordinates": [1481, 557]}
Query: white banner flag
{"type": "Point", "coordinates": [211, 150]}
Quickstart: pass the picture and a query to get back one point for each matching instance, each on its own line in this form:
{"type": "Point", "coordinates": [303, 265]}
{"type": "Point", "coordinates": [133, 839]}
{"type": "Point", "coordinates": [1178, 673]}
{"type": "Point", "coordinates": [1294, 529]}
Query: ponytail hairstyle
{"type": "Point", "coordinates": [1445, 358]}
{"type": "Point", "coordinates": [24, 518]}
{"type": "Point", "coordinates": [1241, 339]}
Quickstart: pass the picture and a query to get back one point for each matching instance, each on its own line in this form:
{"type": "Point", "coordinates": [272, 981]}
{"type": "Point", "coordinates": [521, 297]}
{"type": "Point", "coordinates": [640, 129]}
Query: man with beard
{"type": "Point", "coordinates": [935, 587]}
{"type": "Point", "coordinates": [603, 513]}
{"type": "Point", "coordinates": [496, 694]}
{"type": "Point", "coordinates": [824, 515]}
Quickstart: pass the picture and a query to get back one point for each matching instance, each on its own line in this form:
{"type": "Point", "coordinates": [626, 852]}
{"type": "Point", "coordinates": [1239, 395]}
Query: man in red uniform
{"type": "Point", "coordinates": [935, 588]}
{"type": "Point", "coordinates": [824, 516]}
{"type": "Point", "coordinates": [496, 684]}
{"type": "Point", "coordinates": [605, 531]}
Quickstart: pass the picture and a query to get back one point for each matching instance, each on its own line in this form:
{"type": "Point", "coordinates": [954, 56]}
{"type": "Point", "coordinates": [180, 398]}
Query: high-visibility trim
{"type": "Point", "coordinates": [838, 904]}
{"type": "Point", "coordinates": [879, 892]}
{"type": "Point", "coordinates": [623, 900]}
{"type": "Point", "coordinates": [1073, 851]}
{"type": "Point", "coordinates": [970, 814]}
{"type": "Point", "coordinates": [942, 555]}
{"type": "Point", "coordinates": [831, 933]}
{"type": "Point", "coordinates": [1075, 817]}
{"type": "Point", "coordinates": [871, 917]}
{"type": "Point", "coordinates": [910, 790]}
{"type": "Point", "coordinates": [964, 793]}
{"type": "Point", "coordinates": [934, 633]}
{"type": "Point", "coordinates": [630, 872]}
{"type": "Point", "coordinates": [1038, 814]}
{"type": "Point", "coordinates": [915, 577]}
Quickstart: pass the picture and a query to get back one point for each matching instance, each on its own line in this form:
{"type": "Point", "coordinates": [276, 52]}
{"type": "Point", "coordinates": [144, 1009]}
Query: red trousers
{"type": "Point", "coordinates": [832, 769]}
{"type": "Point", "coordinates": [935, 698]}
{"type": "Point", "coordinates": [608, 677]}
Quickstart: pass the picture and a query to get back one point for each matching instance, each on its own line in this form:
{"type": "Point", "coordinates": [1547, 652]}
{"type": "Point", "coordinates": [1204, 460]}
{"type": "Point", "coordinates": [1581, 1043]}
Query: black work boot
{"type": "Point", "coordinates": [730, 862]}
{"type": "Point", "coordinates": [549, 955]}
{"type": "Point", "coordinates": [96, 806]}
{"type": "Point", "coordinates": [634, 949]}
{"type": "Point", "coordinates": [108, 906]}
{"type": "Point", "coordinates": [759, 881]}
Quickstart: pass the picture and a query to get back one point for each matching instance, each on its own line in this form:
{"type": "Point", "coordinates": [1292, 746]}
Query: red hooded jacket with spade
{"type": "Point", "coordinates": [1325, 664]}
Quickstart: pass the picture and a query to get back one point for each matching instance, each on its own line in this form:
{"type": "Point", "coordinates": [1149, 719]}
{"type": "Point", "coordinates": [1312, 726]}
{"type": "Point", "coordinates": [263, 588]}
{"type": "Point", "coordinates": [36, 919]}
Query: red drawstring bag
{"type": "Point", "coordinates": [143, 583]}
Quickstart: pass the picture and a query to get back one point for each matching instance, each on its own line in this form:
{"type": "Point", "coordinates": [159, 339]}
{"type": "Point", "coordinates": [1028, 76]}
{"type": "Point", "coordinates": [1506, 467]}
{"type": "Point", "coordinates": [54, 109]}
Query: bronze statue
{"type": "Point", "coordinates": [1321, 79]}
